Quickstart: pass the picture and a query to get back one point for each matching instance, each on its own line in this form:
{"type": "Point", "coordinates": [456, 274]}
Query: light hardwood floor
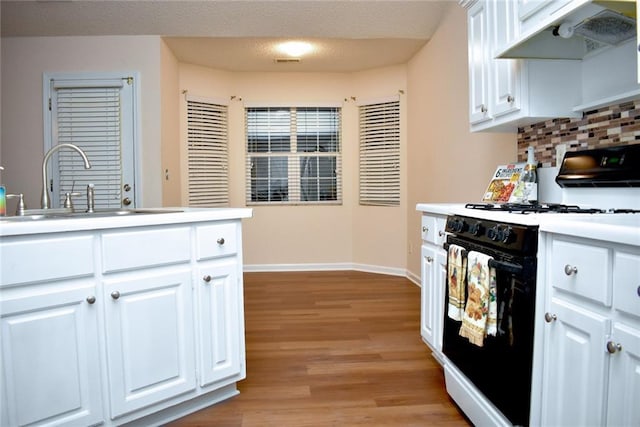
{"type": "Point", "coordinates": [334, 349]}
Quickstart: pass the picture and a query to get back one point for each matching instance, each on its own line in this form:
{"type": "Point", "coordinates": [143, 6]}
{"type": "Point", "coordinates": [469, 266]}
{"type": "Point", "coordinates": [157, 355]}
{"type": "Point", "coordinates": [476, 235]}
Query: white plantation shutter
{"type": "Point", "coordinates": [89, 117]}
{"type": "Point", "coordinates": [380, 154]}
{"type": "Point", "coordinates": [207, 153]}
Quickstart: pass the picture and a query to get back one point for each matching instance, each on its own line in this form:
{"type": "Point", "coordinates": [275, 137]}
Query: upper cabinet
{"type": "Point", "coordinates": [513, 83]}
{"type": "Point", "coordinates": [507, 93]}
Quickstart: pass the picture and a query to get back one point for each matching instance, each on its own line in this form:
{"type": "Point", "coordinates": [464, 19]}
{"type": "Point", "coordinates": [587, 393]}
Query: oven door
{"type": "Point", "coordinates": [501, 368]}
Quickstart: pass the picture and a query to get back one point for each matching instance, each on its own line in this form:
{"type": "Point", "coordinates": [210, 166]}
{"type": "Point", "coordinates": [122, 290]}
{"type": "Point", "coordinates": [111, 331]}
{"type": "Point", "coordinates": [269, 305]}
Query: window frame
{"type": "Point", "coordinates": [293, 158]}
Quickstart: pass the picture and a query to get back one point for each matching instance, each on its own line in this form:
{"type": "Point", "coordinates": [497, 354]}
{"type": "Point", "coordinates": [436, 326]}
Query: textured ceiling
{"type": "Point", "coordinates": [240, 34]}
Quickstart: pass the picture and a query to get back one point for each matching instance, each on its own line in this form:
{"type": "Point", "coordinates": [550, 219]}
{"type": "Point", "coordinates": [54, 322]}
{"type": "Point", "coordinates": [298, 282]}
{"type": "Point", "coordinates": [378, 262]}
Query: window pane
{"type": "Point", "coordinates": [318, 178]}
{"type": "Point", "coordinates": [268, 130]}
{"type": "Point", "coordinates": [269, 179]}
{"type": "Point", "coordinates": [318, 129]}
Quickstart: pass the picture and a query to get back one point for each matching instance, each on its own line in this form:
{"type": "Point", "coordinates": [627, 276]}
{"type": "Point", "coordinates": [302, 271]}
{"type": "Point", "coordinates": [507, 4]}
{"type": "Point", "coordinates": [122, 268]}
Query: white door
{"type": "Point", "coordinates": [96, 113]}
{"type": "Point", "coordinates": [624, 378]}
{"type": "Point", "coordinates": [427, 295]}
{"type": "Point", "coordinates": [218, 303]}
{"type": "Point", "coordinates": [150, 338]}
{"type": "Point", "coordinates": [575, 367]}
{"type": "Point", "coordinates": [50, 359]}
{"type": "Point", "coordinates": [479, 63]}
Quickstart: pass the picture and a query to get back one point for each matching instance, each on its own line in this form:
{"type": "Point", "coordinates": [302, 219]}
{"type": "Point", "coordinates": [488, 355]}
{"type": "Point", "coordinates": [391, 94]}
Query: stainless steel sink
{"type": "Point", "coordinates": [49, 214]}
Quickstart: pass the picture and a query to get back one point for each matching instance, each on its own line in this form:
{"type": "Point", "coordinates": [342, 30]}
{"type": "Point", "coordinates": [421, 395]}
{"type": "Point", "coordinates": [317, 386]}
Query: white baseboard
{"type": "Point", "coordinates": [331, 267]}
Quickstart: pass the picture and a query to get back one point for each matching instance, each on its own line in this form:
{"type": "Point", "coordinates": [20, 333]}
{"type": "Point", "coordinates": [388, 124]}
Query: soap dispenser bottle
{"type": "Point", "coordinates": [3, 197]}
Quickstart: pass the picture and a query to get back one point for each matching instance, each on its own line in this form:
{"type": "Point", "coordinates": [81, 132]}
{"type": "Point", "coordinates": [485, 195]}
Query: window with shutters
{"type": "Point", "coordinates": [293, 155]}
{"type": "Point", "coordinates": [95, 113]}
{"type": "Point", "coordinates": [380, 154]}
{"type": "Point", "coordinates": [207, 142]}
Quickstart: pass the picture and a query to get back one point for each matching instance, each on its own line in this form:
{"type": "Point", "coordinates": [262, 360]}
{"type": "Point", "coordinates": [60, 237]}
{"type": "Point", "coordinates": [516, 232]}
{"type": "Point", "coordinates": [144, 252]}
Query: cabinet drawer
{"type": "Point", "coordinates": [217, 240]}
{"type": "Point", "coordinates": [582, 269]}
{"type": "Point", "coordinates": [27, 261]}
{"type": "Point", "coordinates": [137, 249]}
{"type": "Point", "coordinates": [626, 283]}
{"type": "Point", "coordinates": [433, 229]}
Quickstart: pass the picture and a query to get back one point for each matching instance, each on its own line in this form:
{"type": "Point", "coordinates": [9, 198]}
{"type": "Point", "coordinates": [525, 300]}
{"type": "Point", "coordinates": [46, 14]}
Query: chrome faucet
{"type": "Point", "coordinates": [45, 202]}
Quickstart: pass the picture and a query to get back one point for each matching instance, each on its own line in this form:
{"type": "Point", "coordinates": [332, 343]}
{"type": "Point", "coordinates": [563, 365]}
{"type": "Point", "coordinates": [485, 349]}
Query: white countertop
{"type": "Point", "coordinates": [178, 215]}
{"type": "Point", "coordinates": [618, 228]}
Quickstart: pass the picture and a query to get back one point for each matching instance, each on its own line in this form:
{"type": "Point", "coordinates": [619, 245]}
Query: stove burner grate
{"type": "Point", "coordinates": [536, 208]}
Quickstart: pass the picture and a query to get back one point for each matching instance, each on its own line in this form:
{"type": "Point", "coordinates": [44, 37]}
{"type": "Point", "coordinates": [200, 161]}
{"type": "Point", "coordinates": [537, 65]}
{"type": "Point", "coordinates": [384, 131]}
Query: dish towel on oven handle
{"type": "Point", "coordinates": [456, 281]}
{"type": "Point", "coordinates": [480, 313]}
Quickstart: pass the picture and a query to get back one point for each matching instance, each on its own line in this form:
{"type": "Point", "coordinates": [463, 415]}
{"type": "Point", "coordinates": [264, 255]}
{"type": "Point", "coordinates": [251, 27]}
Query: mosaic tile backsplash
{"type": "Point", "coordinates": [607, 126]}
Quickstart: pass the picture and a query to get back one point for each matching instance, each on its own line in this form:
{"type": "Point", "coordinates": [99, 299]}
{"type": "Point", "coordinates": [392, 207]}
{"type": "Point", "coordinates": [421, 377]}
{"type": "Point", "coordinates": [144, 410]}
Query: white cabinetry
{"type": "Point", "coordinates": [507, 93]}
{"type": "Point", "coordinates": [50, 370]}
{"type": "Point", "coordinates": [50, 356]}
{"type": "Point", "coordinates": [591, 358]}
{"type": "Point", "coordinates": [433, 276]}
{"type": "Point", "coordinates": [123, 324]}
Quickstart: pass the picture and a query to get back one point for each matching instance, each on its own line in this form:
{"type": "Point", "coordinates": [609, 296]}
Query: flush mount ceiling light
{"type": "Point", "coordinates": [294, 49]}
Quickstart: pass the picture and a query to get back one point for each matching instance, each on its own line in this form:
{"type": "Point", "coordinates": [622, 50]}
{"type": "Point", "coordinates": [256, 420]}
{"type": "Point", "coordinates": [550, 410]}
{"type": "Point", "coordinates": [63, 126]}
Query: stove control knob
{"type": "Point", "coordinates": [507, 235]}
{"type": "Point", "coordinates": [494, 233]}
{"type": "Point", "coordinates": [457, 225]}
{"type": "Point", "coordinates": [476, 229]}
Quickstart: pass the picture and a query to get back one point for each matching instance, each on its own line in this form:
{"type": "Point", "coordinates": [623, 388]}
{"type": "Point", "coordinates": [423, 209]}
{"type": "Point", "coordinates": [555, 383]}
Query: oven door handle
{"type": "Point", "coordinates": [506, 266]}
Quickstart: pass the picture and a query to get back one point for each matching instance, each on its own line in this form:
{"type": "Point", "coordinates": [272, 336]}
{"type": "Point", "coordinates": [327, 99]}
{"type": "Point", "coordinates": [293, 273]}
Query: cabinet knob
{"type": "Point", "coordinates": [483, 108]}
{"type": "Point", "coordinates": [220, 241]}
{"type": "Point", "coordinates": [440, 233]}
{"type": "Point", "coordinates": [91, 299]}
{"type": "Point", "coordinates": [510, 99]}
{"type": "Point", "coordinates": [612, 347]}
{"type": "Point", "coordinates": [548, 317]}
{"type": "Point", "coordinates": [569, 270]}
{"type": "Point", "coordinates": [126, 201]}
{"type": "Point", "coordinates": [207, 278]}
{"type": "Point", "coordinates": [429, 259]}
{"type": "Point", "coordinates": [425, 229]}
{"type": "Point", "coordinates": [115, 294]}
{"type": "Point", "coordinates": [638, 291]}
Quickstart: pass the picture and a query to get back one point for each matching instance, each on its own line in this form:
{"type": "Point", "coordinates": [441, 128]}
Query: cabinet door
{"type": "Point", "coordinates": [220, 323]}
{"type": "Point", "coordinates": [506, 94]}
{"type": "Point", "coordinates": [624, 378]}
{"type": "Point", "coordinates": [50, 359]}
{"type": "Point", "coordinates": [440, 276]}
{"type": "Point", "coordinates": [150, 342]}
{"type": "Point", "coordinates": [427, 295]}
{"type": "Point", "coordinates": [479, 63]}
{"type": "Point", "coordinates": [575, 367]}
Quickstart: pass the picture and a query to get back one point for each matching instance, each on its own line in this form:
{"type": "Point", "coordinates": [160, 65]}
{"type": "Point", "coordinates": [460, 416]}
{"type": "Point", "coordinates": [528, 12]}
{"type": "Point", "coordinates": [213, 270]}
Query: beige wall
{"type": "Point", "coordinates": [170, 127]}
{"type": "Point", "coordinates": [25, 59]}
{"type": "Point", "coordinates": [447, 163]}
{"type": "Point", "coordinates": [296, 236]}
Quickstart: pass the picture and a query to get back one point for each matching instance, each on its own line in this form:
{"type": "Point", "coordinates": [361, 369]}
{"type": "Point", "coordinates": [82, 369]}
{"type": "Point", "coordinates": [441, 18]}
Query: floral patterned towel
{"type": "Point", "coordinates": [480, 313]}
{"type": "Point", "coordinates": [456, 281]}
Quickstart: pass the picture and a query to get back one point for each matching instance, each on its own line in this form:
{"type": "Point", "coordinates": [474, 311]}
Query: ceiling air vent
{"type": "Point", "coordinates": [286, 60]}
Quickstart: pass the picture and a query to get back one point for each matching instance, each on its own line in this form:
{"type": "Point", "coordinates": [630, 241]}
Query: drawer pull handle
{"type": "Point", "coordinates": [115, 294]}
{"type": "Point", "coordinates": [425, 229]}
{"type": "Point", "coordinates": [91, 299]}
{"type": "Point", "coordinates": [220, 241]}
{"type": "Point", "coordinates": [612, 347]}
{"type": "Point", "coordinates": [548, 317]}
{"type": "Point", "coordinates": [207, 278]}
{"type": "Point", "coordinates": [569, 270]}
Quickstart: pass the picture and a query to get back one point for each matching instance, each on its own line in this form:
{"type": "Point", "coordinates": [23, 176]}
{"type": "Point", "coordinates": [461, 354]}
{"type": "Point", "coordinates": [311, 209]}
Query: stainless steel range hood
{"type": "Point", "coordinates": [573, 33]}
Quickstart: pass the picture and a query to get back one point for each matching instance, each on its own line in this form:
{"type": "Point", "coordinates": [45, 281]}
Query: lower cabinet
{"type": "Point", "coordinates": [433, 279]}
{"type": "Point", "coordinates": [150, 339]}
{"type": "Point", "coordinates": [50, 355]}
{"type": "Point", "coordinates": [142, 331]}
{"type": "Point", "coordinates": [219, 308]}
{"type": "Point", "coordinates": [591, 363]}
